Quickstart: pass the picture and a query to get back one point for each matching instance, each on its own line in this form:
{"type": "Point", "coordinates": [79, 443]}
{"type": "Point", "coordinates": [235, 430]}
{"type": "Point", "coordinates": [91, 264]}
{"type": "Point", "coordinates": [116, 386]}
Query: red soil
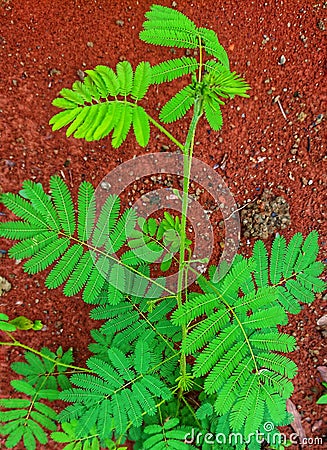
{"type": "Point", "coordinates": [43, 44]}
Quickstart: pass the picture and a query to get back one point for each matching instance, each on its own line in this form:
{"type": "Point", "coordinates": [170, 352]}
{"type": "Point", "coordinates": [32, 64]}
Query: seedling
{"type": "Point", "coordinates": [168, 363]}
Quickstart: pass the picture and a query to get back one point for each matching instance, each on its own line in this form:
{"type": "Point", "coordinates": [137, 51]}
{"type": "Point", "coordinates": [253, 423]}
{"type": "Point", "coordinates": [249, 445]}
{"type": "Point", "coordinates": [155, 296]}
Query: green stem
{"type": "Point", "coordinates": [55, 361]}
{"type": "Point", "coordinates": [192, 412]}
{"type": "Point", "coordinates": [166, 133]}
{"type": "Point", "coordinates": [200, 61]}
{"type": "Point", "coordinates": [188, 152]}
{"type": "Point", "coordinates": [35, 396]}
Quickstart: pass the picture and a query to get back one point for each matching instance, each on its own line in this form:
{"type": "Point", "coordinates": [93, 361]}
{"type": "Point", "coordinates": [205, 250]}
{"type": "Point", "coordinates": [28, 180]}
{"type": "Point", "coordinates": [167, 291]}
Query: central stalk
{"type": "Point", "coordinates": [183, 263]}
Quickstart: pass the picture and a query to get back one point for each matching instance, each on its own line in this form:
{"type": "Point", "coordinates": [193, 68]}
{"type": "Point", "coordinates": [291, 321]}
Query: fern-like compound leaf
{"type": "Point", "coordinates": [280, 384]}
{"type": "Point", "coordinates": [86, 210]}
{"type": "Point", "coordinates": [107, 220]}
{"type": "Point", "coordinates": [29, 247]}
{"type": "Point", "coordinates": [121, 363]}
{"type": "Point", "coordinates": [110, 79]}
{"type": "Point", "coordinates": [167, 436]}
{"type": "Point", "coordinates": [72, 96]}
{"type": "Point", "coordinates": [177, 106]}
{"type": "Point", "coordinates": [144, 397]}
{"type": "Point", "coordinates": [315, 269]}
{"type": "Point", "coordinates": [309, 252]}
{"type": "Point", "coordinates": [96, 280]}
{"type": "Point", "coordinates": [95, 119]}
{"type": "Point", "coordinates": [242, 408]}
{"type": "Point", "coordinates": [105, 421]}
{"type": "Point", "coordinates": [117, 389]}
{"type": "Point", "coordinates": [75, 439]}
{"type": "Point", "coordinates": [92, 87]}
{"type": "Point", "coordinates": [125, 77]}
{"type": "Point", "coordinates": [141, 126]}
{"type": "Point", "coordinates": [276, 259]}
{"type": "Point", "coordinates": [272, 340]}
{"type": "Point", "coordinates": [117, 283]}
{"type": "Point", "coordinates": [20, 230]}
{"type": "Point", "coordinates": [142, 357]}
{"type": "Point", "coordinates": [36, 371]}
{"type": "Point", "coordinates": [229, 392]}
{"type": "Point", "coordinates": [224, 368]}
{"type": "Point", "coordinates": [118, 323]}
{"type": "Point", "coordinates": [82, 90]}
{"type": "Point", "coordinates": [216, 348]}
{"type": "Point", "coordinates": [75, 265]}
{"type": "Point", "coordinates": [87, 422]}
{"type": "Point", "coordinates": [42, 203]}
{"type": "Point", "coordinates": [247, 371]}
{"type": "Point", "coordinates": [79, 275]}
{"type": "Point", "coordinates": [123, 228]}
{"type": "Point", "coordinates": [172, 69]}
{"type": "Point", "coordinates": [142, 80]}
{"type": "Point", "coordinates": [175, 38]}
{"type": "Point", "coordinates": [81, 121]}
{"type": "Point", "coordinates": [291, 255]}
{"type": "Point", "coordinates": [64, 204]}
{"type": "Point", "coordinates": [170, 28]}
{"type": "Point", "coordinates": [23, 209]}
{"type": "Point", "coordinates": [96, 80]}
{"type": "Point", "coordinates": [213, 47]}
{"type": "Point", "coordinates": [46, 256]}
{"type": "Point", "coordinates": [260, 255]}
{"type": "Point", "coordinates": [123, 123]}
{"type": "Point", "coordinates": [255, 417]}
{"type": "Point", "coordinates": [255, 300]}
{"type": "Point", "coordinates": [25, 419]}
{"type": "Point", "coordinates": [161, 14]}
{"type": "Point", "coordinates": [65, 117]}
{"type": "Point", "coordinates": [94, 109]}
{"type": "Point", "coordinates": [299, 291]}
{"type": "Point", "coordinates": [109, 121]}
{"type": "Point", "coordinates": [278, 363]}
{"type": "Point", "coordinates": [311, 282]}
{"type": "Point", "coordinates": [223, 82]}
{"type": "Point", "coordinates": [288, 301]}
{"type": "Point", "coordinates": [195, 307]}
{"type": "Point", "coordinates": [114, 295]}
{"type": "Point", "coordinates": [205, 331]}
{"type": "Point", "coordinates": [63, 269]}
{"type": "Point", "coordinates": [213, 113]}
{"type": "Point", "coordinates": [266, 318]}
{"type": "Point", "coordinates": [106, 371]}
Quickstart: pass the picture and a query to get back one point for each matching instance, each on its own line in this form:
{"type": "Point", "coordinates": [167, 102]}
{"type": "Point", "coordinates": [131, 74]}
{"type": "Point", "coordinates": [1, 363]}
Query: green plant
{"type": "Point", "coordinates": [167, 364]}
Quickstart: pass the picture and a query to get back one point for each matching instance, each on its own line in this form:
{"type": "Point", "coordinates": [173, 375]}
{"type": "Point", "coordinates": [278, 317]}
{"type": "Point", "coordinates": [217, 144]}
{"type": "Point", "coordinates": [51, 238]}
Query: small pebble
{"type": "Point", "coordinates": [282, 60]}
{"type": "Point", "coordinates": [5, 286]}
{"type": "Point", "coordinates": [80, 74]}
{"type": "Point", "coordinates": [53, 72]}
{"type": "Point", "coordinates": [321, 25]}
{"type": "Point", "coordinates": [105, 185]}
